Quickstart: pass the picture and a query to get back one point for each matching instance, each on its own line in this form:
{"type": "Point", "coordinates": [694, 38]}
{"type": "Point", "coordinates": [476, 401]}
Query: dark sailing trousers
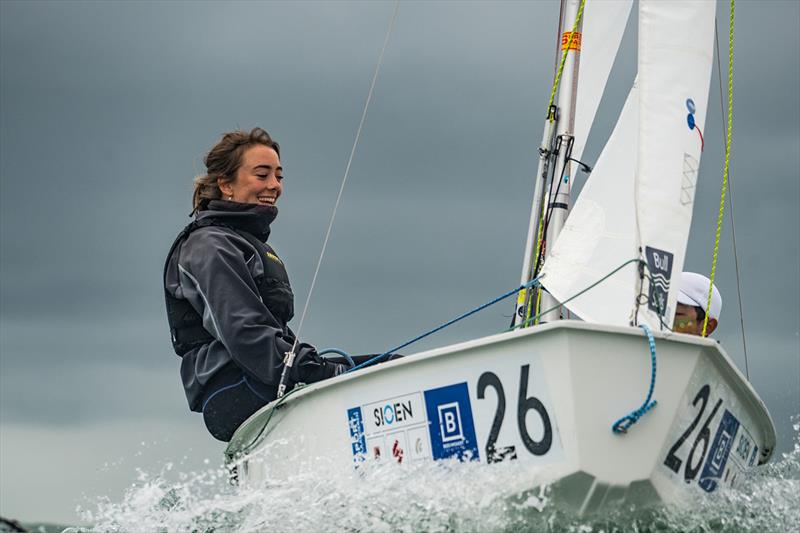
{"type": "Point", "coordinates": [233, 398]}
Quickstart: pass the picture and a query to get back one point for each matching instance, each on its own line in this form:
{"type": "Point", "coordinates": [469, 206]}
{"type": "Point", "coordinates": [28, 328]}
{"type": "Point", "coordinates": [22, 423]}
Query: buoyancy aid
{"type": "Point", "coordinates": [186, 324]}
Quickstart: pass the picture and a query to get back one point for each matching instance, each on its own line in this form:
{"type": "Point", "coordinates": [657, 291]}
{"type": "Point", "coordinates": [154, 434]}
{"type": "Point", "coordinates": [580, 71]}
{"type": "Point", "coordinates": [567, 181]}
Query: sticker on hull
{"type": "Point", "coordinates": [394, 429]}
{"type": "Point", "coordinates": [452, 429]}
{"type": "Point", "coordinates": [713, 447]}
{"type": "Point", "coordinates": [356, 423]}
{"type": "Point", "coordinates": [435, 424]}
{"type": "Point", "coordinates": [504, 415]}
{"type": "Point", "coordinates": [719, 453]}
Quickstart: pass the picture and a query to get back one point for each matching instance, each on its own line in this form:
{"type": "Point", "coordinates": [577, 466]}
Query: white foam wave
{"type": "Point", "coordinates": [442, 496]}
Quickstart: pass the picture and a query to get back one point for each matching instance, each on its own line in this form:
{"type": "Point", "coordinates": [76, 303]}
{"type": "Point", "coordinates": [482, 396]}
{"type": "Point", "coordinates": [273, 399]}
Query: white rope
{"type": "Point", "coordinates": [730, 206]}
{"type": "Point", "coordinates": [347, 171]}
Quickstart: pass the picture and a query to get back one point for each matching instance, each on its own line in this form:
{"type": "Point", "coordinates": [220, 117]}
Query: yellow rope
{"type": "Point", "coordinates": [539, 239]}
{"type": "Point", "coordinates": [564, 57]}
{"type": "Point", "coordinates": [725, 171]}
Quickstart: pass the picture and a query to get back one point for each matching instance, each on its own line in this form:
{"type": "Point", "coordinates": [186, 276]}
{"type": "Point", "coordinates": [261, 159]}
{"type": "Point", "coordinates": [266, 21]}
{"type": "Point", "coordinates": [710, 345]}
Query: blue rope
{"type": "Point", "coordinates": [339, 352]}
{"type": "Point", "coordinates": [623, 424]}
{"type": "Point", "coordinates": [377, 358]}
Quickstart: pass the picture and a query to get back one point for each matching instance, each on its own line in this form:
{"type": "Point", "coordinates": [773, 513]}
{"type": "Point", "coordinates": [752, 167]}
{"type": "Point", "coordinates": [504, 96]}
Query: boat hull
{"type": "Point", "coordinates": [545, 397]}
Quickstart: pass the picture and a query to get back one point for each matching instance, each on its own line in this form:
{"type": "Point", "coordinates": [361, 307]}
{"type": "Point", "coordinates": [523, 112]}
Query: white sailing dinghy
{"type": "Point", "coordinates": [547, 396]}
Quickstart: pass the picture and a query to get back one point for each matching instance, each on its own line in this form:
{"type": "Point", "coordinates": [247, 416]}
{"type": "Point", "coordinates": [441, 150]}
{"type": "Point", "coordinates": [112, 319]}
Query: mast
{"type": "Point", "coordinates": [529, 263]}
{"type": "Point", "coordinates": [554, 156]}
{"type": "Point", "coordinates": [559, 197]}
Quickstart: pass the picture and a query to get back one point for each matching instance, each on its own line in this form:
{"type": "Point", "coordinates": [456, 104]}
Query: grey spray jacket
{"type": "Point", "coordinates": [217, 269]}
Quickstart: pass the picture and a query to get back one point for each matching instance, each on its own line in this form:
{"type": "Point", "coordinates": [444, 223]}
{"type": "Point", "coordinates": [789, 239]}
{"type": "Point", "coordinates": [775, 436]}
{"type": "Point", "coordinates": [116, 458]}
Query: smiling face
{"type": "Point", "coordinates": [688, 320]}
{"type": "Point", "coordinates": [258, 179]}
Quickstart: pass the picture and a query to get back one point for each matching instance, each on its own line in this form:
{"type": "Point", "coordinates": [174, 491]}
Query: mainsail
{"type": "Point", "coordinates": [638, 200]}
{"type": "Point", "coordinates": [676, 44]}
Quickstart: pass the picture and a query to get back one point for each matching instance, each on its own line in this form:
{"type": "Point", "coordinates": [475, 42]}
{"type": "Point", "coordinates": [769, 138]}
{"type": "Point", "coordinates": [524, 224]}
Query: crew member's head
{"type": "Point", "coordinates": [693, 306]}
{"type": "Point", "coordinates": [242, 167]}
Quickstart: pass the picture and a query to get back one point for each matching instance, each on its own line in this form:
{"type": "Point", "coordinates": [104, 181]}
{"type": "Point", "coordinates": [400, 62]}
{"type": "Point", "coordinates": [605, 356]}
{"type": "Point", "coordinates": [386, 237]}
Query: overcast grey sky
{"type": "Point", "coordinates": [107, 108]}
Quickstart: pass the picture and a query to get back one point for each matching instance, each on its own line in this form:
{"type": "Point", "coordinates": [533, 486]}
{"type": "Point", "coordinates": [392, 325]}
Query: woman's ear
{"type": "Point", "coordinates": [225, 187]}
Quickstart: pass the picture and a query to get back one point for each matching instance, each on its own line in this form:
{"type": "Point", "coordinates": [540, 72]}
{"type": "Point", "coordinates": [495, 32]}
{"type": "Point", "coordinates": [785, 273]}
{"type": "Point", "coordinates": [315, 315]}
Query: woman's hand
{"type": "Point", "coordinates": [309, 367]}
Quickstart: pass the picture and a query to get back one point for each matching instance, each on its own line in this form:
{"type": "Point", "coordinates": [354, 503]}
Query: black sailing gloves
{"type": "Point", "coordinates": [309, 367]}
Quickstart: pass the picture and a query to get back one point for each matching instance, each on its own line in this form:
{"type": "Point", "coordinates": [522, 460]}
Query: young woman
{"type": "Point", "coordinates": [228, 295]}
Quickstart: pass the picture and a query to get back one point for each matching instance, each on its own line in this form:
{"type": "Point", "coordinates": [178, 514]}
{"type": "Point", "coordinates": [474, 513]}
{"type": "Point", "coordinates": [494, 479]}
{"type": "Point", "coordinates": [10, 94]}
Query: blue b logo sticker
{"type": "Point", "coordinates": [450, 422]}
{"type": "Point", "coordinates": [452, 429]}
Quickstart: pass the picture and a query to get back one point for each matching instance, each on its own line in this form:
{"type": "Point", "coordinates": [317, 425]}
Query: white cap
{"type": "Point", "coordinates": [694, 292]}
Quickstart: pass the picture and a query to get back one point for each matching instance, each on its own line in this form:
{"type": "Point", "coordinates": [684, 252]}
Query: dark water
{"type": "Point", "coordinates": [429, 497]}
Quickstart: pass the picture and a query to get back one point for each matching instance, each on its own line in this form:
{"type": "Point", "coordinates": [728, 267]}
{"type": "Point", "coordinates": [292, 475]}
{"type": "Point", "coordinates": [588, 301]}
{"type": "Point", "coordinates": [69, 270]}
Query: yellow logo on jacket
{"type": "Point", "coordinates": [274, 257]}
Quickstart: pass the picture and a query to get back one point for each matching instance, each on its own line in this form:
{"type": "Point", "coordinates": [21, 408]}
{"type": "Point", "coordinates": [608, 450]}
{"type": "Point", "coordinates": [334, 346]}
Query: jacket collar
{"type": "Point", "coordinates": [252, 218]}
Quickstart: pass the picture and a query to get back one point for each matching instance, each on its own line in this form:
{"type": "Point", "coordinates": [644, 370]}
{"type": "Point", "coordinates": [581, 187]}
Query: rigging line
{"type": "Point", "coordinates": [347, 170]}
{"type": "Point", "coordinates": [536, 268]}
{"type": "Point", "coordinates": [387, 353]}
{"type": "Point", "coordinates": [567, 158]}
{"type": "Point", "coordinates": [548, 201]}
{"type": "Point", "coordinates": [544, 221]}
{"type": "Point", "coordinates": [534, 282]}
{"type": "Point", "coordinates": [539, 243]}
{"type": "Point", "coordinates": [592, 286]}
{"type": "Point", "coordinates": [556, 81]}
{"type": "Point", "coordinates": [622, 425]}
{"type": "Point", "coordinates": [551, 200]}
{"type": "Point", "coordinates": [567, 46]}
{"type": "Point", "coordinates": [725, 171]}
{"type": "Point", "coordinates": [557, 58]}
{"type": "Point", "coordinates": [730, 208]}
{"type": "Point", "coordinates": [246, 449]}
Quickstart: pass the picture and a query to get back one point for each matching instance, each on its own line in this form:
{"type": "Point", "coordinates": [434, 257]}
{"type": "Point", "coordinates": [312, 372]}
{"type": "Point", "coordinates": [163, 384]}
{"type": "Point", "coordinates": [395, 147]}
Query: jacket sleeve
{"type": "Point", "coordinates": [217, 281]}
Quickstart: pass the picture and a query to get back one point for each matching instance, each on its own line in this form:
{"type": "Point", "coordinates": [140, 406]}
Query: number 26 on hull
{"type": "Point", "coordinates": [525, 404]}
{"type": "Point", "coordinates": [694, 461]}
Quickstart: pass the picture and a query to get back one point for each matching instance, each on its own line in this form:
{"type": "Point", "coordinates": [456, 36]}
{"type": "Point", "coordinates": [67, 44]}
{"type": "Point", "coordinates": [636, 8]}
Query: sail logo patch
{"type": "Point", "coordinates": [659, 262]}
{"type": "Point", "coordinates": [690, 121]}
